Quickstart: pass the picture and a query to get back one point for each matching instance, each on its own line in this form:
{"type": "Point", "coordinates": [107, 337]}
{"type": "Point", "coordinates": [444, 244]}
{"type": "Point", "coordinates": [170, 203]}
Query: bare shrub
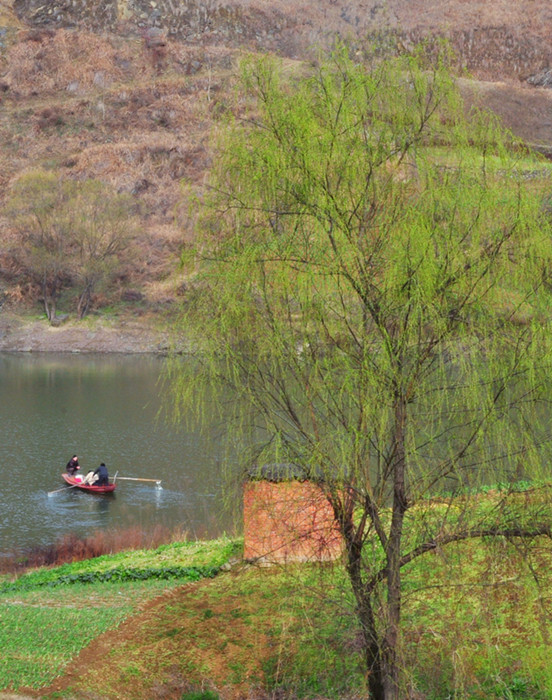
{"type": "Point", "coordinates": [70, 233]}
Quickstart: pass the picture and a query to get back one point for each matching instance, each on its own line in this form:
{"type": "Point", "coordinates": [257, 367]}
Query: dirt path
{"type": "Point", "coordinates": [183, 640]}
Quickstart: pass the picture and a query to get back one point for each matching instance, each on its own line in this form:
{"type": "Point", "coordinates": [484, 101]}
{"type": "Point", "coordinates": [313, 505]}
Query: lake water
{"type": "Point", "coordinates": [105, 409]}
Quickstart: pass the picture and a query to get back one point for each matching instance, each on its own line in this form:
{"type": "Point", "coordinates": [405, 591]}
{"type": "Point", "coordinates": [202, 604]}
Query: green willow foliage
{"type": "Point", "coordinates": [350, 258]}
{"type": "Point", "coordinates": [372, 282]}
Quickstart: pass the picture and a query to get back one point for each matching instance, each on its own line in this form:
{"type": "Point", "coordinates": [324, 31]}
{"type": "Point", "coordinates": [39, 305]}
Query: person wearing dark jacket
{"type": "Point", "coordinates": [103, 477]}
{"type": "Point", "coordinates": [72, 465]}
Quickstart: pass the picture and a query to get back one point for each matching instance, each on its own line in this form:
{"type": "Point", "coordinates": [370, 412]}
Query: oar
{"type": "Point", "coordinates": [133, 478]}
{"type": "Point", "coordinates": [63, 488]}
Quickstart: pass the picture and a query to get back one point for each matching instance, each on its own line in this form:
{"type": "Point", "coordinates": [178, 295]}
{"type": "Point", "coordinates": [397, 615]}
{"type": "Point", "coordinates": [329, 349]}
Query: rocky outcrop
{"type": "Point", "coordinates": [176, 17]}
{"type": "Point", "coordinates": [94, 14]}
{"type": "Point", "coordinates": [542, 79]}
{"type": "Point", "coordinates": [492, 39]}
{"type": "Point", "coordinates": [191, 20]}
{"type": "Point", "coordinates": [490, 52]}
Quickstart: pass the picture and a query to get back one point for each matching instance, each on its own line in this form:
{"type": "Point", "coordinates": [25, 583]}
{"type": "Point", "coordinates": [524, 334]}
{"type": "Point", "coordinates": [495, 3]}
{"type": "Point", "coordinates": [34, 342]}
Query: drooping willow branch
{"type": "Point", "coordinates": [543, 529]}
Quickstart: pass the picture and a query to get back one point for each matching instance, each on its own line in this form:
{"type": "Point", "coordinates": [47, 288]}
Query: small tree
{"type": "Point", "coordinates": [373, 284]}
{"type": "Point", "coordinates": [102, 225]}
{"type": "Point", "coordinates": [36, 206]}
{"type": "Point", "coordinates": [71, 232]}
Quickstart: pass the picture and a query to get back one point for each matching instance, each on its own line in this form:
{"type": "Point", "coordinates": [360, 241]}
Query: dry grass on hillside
{"type": "Point", "coordinates": [46, 62]}
{"type": "Point", "coordinates": [525, 110]}
{"type": "Point", "coordinates": [100, 107]}
{"type": "Point", "coordinates": [43, 62]}
{"type": "Point", "coordinates": [119, 120]}
{"type": "Point", "coordinates": [107, 107]}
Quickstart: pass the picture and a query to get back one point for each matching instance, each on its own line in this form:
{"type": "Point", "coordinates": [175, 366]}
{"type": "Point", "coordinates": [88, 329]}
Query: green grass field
{"type": "Point", "coordinates": [48, 615]}
{"type": "Point", "coordinates": [476, 625]}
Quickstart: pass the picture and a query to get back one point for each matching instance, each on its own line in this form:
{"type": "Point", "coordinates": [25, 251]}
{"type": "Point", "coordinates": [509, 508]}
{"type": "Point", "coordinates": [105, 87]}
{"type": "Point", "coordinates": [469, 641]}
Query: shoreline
{"type": "Point", "coordinates": [132, 335]}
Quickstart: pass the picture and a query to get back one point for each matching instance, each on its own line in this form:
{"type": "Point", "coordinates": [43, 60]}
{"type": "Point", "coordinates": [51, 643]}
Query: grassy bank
{"type": "Point", "coordinates": [172, 623]}
{"type": "Point", "coordinates": [50, 614]}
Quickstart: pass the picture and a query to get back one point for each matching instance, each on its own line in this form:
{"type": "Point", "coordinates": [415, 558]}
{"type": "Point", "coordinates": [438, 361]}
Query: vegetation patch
{"type": "Point", "coordinates": [372, 302]}
{"type": "Point", "coordinates": [476, 621]}
{"type": "Point", "coordinates": [165, 562]}
{"type": "Point", "coordinates": [477, 630]}
{"type": "Point", "coordinates": [49, 615]}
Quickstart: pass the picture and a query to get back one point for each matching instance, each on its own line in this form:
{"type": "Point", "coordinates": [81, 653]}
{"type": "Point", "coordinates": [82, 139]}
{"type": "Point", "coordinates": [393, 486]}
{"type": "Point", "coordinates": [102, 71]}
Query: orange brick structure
{"type": "Point", "coordinates": [288, 521]}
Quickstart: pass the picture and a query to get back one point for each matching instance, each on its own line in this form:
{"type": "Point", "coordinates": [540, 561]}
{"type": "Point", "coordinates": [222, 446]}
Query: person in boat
{"type": "Point", "coordinates": [72, 465]}
{"type": "Point", "coordinates": [103, 477]}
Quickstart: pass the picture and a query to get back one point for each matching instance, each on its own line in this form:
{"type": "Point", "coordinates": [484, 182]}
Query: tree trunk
{"type": "Point", "coordinates": [371, 645]}
{"type": "Point", "coordinates": [84, 301]}
{"type": "Point", "coordinates": [391, 639]}
{"type": "Point", "coordinates": [49, 302]}
{"type": "Point", "coordinates": [372, 651]}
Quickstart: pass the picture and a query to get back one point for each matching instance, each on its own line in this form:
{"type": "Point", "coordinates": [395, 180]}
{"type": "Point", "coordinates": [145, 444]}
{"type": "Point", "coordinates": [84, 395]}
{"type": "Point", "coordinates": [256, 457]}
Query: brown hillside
{"type": "Point", "coordinates": [91, 106]}
{"type": "Point", "coordinates": [494, 37]}
{"type": "Point", "coordinates": [127, 92]}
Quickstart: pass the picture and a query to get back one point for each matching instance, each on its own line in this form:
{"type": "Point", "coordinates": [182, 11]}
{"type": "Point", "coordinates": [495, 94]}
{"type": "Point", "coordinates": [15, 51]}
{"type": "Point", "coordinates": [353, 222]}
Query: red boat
{"type": "Point", "coordinates": [72, 481]}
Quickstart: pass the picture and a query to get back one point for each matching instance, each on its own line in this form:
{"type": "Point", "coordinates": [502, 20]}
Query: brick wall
{"type": "Point", "coordinates": [288, 521]}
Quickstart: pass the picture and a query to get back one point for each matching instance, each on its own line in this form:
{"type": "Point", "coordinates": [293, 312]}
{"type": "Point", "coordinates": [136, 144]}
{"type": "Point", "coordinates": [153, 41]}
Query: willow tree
{"type": "Point", "coordinates": [372, 279]}
{"type": "Point", "coordinates": [103, 226]}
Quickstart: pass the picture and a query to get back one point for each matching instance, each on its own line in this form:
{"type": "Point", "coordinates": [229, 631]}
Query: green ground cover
{"type": "Point", "coordinates": [473, 629]}
{"type": "Point", "coordinates": [47, 616]}
{"type": "Point", "coordinates": [185, 561]}
{"type": "Point", "coordinates": [477, 625]}
{"type": "Point", "coordinates": [478, 619]}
